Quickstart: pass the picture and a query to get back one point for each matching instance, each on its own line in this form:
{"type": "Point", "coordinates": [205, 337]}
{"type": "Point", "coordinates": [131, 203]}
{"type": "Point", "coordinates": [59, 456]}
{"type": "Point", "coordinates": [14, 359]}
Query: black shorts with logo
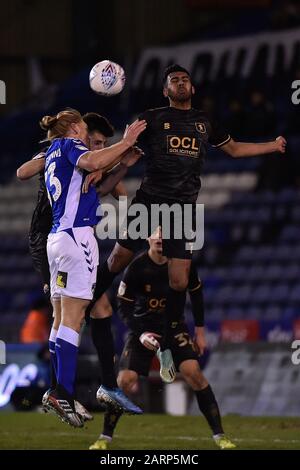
{"type": "Point", "coordinates": [181, 248]}
{"type": "Point", "coordinates": [138, 358]}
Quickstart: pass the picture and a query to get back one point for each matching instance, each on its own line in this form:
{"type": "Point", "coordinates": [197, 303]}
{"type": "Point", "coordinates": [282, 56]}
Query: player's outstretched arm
{"type": "Point", "coordinates": [31, 168]}
{"type": "Point", "coordinates": [99, 159]}
{"type": "Point", "coordinates": [243, 149]}
{"type": "Point", "coordinates": [119, 190]}
{"type": "Point", "coordinates": [110, 182]}
{"type": "Point", "coordinates": [113, 177]}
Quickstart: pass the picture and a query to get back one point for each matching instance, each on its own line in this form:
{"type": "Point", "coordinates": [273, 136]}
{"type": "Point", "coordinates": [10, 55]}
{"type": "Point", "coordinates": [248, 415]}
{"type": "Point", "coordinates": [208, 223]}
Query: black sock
{"type": "Point", "coordinates": [209, 407]}
{"type": "Point", "coordinates": [62, 393]}
{"type": "Point", "coordinates": [175, 303]}
{"type": "Point", "coordinates": [53, 379]}
{"type": "Point", "coordinates": [104, 281]}
{"type": "Point", "coordinates": [111, 418]}
{"type": "Point", "coordinates": [104, 344]}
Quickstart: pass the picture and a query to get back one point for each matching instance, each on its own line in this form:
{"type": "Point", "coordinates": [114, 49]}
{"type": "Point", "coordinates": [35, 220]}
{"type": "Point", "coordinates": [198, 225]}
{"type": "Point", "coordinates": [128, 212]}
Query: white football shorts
{"type": "Point", "coordinates": [73, 257]}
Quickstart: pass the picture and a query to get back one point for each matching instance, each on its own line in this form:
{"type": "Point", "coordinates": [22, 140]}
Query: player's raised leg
{"type": "Point", "coordinates": [178, 270]}
{"type": "Point", "coordinates": [101, 313]}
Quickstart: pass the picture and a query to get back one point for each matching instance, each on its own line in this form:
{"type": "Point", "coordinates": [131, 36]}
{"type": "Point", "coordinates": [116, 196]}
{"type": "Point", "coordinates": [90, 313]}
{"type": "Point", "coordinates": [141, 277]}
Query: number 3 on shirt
{"type": "Point", "coordinates": [54, 181]}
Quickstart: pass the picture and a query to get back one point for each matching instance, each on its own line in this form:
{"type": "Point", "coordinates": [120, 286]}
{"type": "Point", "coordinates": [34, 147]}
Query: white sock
{"type": "Point", "coordinates": [107, 438]}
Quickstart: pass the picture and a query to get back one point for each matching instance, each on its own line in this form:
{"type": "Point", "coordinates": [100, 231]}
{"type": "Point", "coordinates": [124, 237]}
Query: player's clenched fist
{"type": "Point", "coordinates": [280, 144]}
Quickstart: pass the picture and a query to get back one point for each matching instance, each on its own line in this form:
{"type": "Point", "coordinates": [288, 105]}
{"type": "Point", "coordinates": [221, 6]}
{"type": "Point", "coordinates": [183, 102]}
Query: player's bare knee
{"type": "Point", "coordinates": [119, 259]}
{"type": "Point", "coordinates": [101, 310]}
{"type": "Point", "coordinates": [193, 375]}
{"type": "Point", "coordinates": [77, 323]}
{"type": "Point", "coordinates": [100, 314]}
{"type": "Point", "coordinates": [115, 263]}
{"type": "Point", "coordinates": [178, 283]}
{"type": "Point", "coordinates": [73, 319]}
{"type": "Point", "coordinates": [127, 380]}
{"type": "Point", "coordinates": [200, 382]}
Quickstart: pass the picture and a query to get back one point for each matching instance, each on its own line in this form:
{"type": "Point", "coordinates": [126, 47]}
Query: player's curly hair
{"type": "Point", "coordinates": [171, 69]}
{"type": "Point", "coordinates": [58, 126]}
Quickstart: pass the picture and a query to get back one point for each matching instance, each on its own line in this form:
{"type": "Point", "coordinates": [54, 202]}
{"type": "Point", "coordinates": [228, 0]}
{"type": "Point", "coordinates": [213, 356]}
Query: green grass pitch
{"type": "Point", "coordinates": [39, 431]}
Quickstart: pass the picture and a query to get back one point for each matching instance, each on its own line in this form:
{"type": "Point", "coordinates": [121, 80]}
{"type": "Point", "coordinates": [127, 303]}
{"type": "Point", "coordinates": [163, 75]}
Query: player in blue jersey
{"type": "Point", "coordinates": [99, 129]}
{"type": "Point", "coordinates": [72, 248]}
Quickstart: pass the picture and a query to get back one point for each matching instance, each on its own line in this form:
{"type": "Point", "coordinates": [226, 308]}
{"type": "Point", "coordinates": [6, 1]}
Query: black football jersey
{"type": "Point", "coordinates": [41, 221]}
{"type": "Point", "coordinates": [175, 143]}
{"type": "Point", "coordinates": [145, 284]}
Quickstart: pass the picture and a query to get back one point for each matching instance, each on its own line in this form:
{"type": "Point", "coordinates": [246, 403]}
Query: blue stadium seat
{"type": "Point", "coordinates": [273, 312]}
{"type": "Point", "coordinates": [242, 295]}
{"type": "Point", "coordinates": [290, 233]}
{"type": "Point", "coordinates": [246, 254]}
{"type": "Point", "coordinates": [254, 312]}
{"type": "Point", "coordinates": [295, 295]}
{"type": "Point", "coordinates": [280, 293]}
{"type": "Point", "coordinates": [255, 273]}
{"type": "Point", "coordinates": [215, 314]}
{"type": "Point", "coordinates": [224, 295]}
{"type": "Point", "coordinates": [237, 273]}
{"type": "Point", "coordinates": [262, 294]}
{"type": "Point", "coordinates": [291, 272]}
{"type": "Point", "coordinates": [273, 272]}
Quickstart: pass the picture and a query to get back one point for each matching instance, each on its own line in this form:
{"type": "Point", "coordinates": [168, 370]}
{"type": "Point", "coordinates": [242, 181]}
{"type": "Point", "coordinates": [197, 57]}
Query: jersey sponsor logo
{"type": "Point", "coordinates": [122, 288]}
{"type": "Point", "coordinates": [61, 279]}
{"type": "Point", "coordinates": [200, 127]}
{"type": "Point", "coordinates": [157, 303]}
{"type": "Point", "coordinates": [167, 125]}
{"type": "Point", "coordinates": [185, 146]}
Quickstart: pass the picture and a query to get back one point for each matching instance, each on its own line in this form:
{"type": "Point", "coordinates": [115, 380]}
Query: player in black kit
{"type": "Point", "coordinates": [142, 296]}
{"type": "Point", "coordinates": [176, 141]}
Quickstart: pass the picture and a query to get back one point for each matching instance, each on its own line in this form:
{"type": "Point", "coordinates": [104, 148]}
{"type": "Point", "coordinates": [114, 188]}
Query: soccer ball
{"type": "Point", "coordinates": [107, 78]}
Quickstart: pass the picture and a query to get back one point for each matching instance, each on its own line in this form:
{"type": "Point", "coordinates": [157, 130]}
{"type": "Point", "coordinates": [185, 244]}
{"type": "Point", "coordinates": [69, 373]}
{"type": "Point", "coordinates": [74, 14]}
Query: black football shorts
{"type": "Point", "coordinates": [138, 358]}
{"type": "Point", "coordinates": [173, 247]}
